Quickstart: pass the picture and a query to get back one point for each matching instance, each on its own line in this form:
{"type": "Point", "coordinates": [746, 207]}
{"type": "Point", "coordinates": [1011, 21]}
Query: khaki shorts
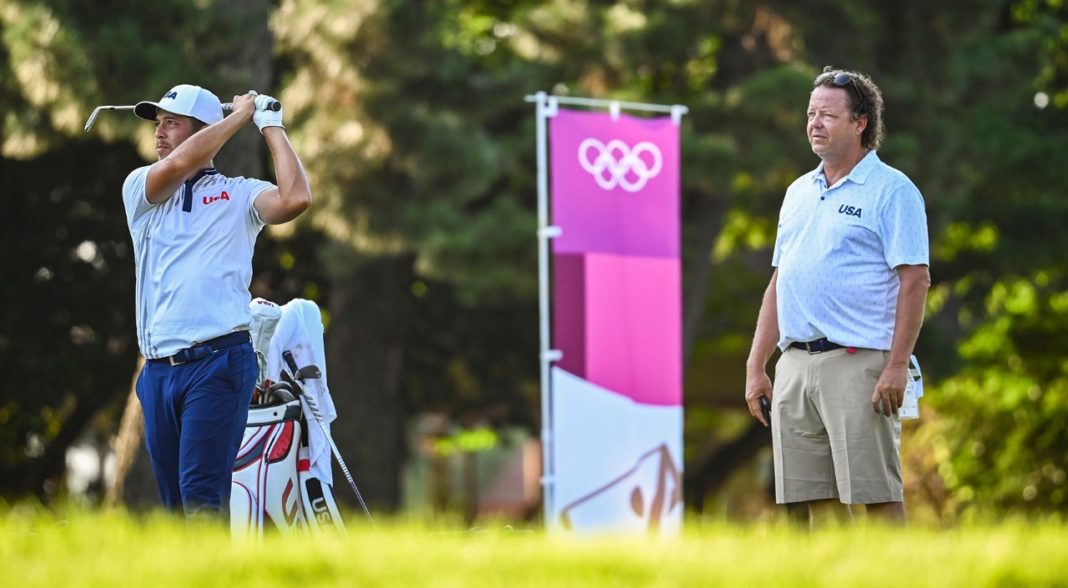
{"type": "Point", "coordinates": [828, 441]}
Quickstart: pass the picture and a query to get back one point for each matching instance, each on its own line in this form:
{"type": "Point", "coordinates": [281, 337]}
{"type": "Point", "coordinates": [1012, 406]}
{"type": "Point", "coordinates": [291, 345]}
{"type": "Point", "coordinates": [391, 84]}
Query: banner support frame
{"type": "Point", "coordinates": [547, 106]}
{"type": "Point", "coordinates": [675, 110]}
{"type": "Point", "coordinates": [545, 109]}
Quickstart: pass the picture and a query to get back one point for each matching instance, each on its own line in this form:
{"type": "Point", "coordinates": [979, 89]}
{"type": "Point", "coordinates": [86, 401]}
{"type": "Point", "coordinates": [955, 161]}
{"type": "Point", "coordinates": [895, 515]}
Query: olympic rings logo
{"type": "Point", "coordinates": [617, 164]}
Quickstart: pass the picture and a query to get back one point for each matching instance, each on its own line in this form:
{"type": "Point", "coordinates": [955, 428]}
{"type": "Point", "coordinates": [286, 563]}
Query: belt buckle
{"type": "Point", "coordinates": [174, 362]}
{"type": "Point", "coordinates": [808, 347]}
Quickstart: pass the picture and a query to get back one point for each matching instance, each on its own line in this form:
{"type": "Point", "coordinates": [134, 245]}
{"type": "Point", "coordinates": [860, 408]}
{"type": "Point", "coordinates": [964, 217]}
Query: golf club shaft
{"type": "Point", "coordinates": [310, 407]}
{"type": "Point", "coordinates": [273, 105]}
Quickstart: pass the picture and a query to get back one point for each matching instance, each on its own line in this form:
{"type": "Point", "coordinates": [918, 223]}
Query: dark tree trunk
{"type": "Point", "coordinates": [369, 314]}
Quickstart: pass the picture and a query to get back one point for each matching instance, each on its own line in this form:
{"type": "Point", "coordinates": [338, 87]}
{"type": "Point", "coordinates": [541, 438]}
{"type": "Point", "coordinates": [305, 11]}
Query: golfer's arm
{"type": "Point", "coordinates": [196, 152]}
{"type": "Point", "coordinates": [293, 195]}
{"type": "Point", "coordinates": [911, 298]}
{"type": "Point", "coordinates": [767, 329]}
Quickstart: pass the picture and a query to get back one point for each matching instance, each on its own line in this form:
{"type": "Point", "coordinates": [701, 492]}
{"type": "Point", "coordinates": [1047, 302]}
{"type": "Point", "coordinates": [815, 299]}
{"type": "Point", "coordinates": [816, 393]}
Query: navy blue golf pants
{"type": "Point", "coordinates": [195, 416]}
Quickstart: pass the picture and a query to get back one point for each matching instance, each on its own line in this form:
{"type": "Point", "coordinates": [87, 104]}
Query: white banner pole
{"type": "Point", "coordinates": [545, 232]}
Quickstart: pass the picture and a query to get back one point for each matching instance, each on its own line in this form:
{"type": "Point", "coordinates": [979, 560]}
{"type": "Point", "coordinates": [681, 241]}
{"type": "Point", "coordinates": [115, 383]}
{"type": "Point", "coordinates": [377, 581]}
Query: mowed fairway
{"type": "Point", "coordinates": [117, 550]}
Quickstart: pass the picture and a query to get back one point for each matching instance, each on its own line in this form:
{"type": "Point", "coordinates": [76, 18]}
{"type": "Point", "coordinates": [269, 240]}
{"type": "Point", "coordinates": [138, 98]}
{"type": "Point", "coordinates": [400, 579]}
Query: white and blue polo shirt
{"type": "Point", "coordinates": [193, 255]}
{"type": "Point", "coordinates": [836, 250]}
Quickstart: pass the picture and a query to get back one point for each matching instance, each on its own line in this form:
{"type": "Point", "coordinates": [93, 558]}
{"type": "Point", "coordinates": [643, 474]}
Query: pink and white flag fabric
{"type": "Point", "coordinates": [617, 318]}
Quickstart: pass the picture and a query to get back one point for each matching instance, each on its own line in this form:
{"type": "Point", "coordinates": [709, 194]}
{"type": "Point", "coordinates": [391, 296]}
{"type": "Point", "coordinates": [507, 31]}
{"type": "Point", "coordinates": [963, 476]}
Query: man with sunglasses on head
{"type": "Point", "coordinates": [845, 305]}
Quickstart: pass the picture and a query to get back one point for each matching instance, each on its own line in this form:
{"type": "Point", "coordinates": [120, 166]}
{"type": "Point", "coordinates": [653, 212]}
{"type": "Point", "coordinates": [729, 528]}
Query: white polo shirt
{"type": "Point", "coordinates": [193, 268]}
{"type": "Point", "coordinates": [836, 250]}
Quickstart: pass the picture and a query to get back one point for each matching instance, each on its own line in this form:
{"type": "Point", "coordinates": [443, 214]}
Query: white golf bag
{"type": "Point", "coordinates": [265, 488]}
{"type": "Point", "coordinates": [281, 477]}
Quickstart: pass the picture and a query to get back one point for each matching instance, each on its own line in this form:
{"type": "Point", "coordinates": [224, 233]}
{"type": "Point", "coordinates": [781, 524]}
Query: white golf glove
{"type": "Point", "coordinates": [267, 118]}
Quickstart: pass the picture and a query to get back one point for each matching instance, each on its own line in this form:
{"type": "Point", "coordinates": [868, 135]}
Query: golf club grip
{"type": "Point", "coordinates": [272, 105]}
{"type": "Point", "coordinates": [287, 355]}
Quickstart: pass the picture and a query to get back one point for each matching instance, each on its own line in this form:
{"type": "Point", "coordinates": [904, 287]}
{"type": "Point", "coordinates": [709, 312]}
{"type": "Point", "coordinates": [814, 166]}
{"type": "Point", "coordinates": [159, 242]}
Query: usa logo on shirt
{"type": "Point", "coordinates": [210, 199]}
{"type": "Point", "coordinates": [849, 210]}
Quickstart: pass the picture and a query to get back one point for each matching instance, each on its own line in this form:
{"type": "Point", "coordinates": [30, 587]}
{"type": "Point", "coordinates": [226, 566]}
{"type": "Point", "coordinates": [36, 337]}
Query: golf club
{"type": "Point", "coordinates": [308, 372]}
{"type": "Point", "coordinates": [310, 406]}
{"type": "Point", "coordinates": [279, 393]}
{"type": "Point", "coordinates": [227, 107]}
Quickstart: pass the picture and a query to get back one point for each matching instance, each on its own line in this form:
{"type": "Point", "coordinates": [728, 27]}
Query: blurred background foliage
{"type": "Point", "coordinates": [420, 246]}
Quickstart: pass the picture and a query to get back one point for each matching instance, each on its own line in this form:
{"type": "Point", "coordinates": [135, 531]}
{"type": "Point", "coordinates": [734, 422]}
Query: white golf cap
{"type": "Point", "coordinates": [185, 100]}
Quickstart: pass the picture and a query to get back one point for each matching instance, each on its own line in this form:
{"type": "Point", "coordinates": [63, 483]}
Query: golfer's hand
{"type": "Point", "coordinates": [757, 384]}
{"type": "Point", "coordinates": [890, 390]}
{"type": "Point", "coordinates": [244, 106]}
{"type": "Point", "coordinates": [265, 118]}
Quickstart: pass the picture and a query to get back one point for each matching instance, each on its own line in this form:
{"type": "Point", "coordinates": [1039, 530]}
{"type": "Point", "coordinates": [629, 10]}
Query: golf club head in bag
{"type": "Point", "coordinates": [279, 393]}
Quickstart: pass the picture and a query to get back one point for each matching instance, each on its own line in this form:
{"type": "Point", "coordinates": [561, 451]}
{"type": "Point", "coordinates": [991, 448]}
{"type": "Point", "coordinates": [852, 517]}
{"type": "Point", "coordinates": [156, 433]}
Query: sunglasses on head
{"type": "Point", "coordinates": [844, 80]}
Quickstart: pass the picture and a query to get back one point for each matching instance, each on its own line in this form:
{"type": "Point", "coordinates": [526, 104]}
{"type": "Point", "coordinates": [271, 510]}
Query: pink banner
{"type": "Point", "coordinates": [617, 312]}
{"type": "Point", "coordinates": [615, 184]}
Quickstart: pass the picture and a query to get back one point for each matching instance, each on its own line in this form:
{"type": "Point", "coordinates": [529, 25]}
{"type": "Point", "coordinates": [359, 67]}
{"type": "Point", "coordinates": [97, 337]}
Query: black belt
{"type": "Point", "coordinates": [202, 350]}
{"type": "Point", "coordinates": [817, 346]}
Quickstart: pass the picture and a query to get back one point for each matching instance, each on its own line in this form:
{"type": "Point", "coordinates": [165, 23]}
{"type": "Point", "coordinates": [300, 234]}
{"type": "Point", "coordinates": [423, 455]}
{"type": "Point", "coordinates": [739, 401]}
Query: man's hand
{"type": "Point", "coordinates": [244, 106]}
{"type": "Point", "coordinates": [757, 385]}
{"type": "Point", "coordinates": [890, 389]}
{"type": "Point", "coordinates": [266, 118]}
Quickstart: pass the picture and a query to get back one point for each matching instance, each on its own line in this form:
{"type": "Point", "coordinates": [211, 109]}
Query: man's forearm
{"type": "Point", "coordinates": [767, 329]}
{"type": "Point", "coordinates": [167, 174]}
{"type": "Point", "coordinates": [911, 299]}
{"type": "Point", "coordinates": [288, 170]}
{"type": "Point", "coordinates": [293, 195]}
{"type": "Point", "coordinates": [197, 151]}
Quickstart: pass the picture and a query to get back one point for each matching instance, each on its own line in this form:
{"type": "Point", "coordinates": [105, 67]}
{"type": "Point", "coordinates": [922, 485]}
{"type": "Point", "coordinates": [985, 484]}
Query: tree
{"type": "Point", "coordinates": [70, 345]}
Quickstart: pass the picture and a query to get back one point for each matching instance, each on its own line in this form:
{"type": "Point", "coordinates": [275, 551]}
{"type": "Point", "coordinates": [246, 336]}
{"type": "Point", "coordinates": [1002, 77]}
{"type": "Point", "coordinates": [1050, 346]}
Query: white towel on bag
{"type": "Point", "coordinates": [300, 330]}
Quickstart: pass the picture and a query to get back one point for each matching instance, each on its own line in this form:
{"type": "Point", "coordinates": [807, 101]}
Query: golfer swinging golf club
{"type": "Point", "coordinates": [193, 232]}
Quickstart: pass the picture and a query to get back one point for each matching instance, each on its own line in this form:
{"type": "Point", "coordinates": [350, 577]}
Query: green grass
{"type": "Point", "coordinates": [118, 550]}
